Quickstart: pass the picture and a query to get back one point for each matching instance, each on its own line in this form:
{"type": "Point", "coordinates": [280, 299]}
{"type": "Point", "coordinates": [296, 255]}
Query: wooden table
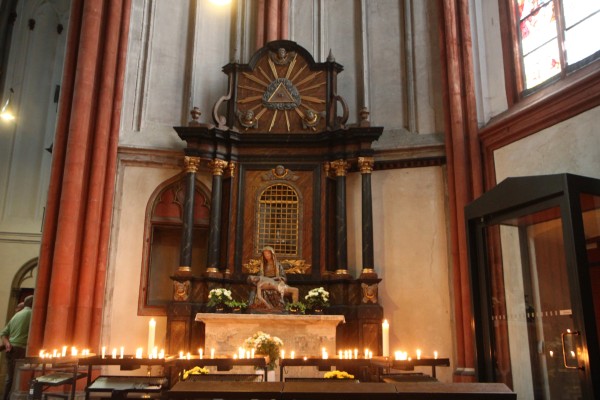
{"type": "Point", "coordinates": [338, 390]}
{"type": "Point", "coordinates": [225, 390]}
{"type": "Point", "coordinates": [454, 391]}
{"type": "Point", "coordinates": [324, 364]}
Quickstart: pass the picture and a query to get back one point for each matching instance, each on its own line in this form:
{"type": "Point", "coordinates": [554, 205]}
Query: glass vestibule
{"type": "Point", "coordinates": [533, 253]}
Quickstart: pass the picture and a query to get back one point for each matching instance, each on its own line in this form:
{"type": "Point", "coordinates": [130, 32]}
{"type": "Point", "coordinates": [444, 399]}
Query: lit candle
{"type": "Point", "coordinates": [64, 351]}
{"type": "Point", "coordinates": [355, 353]}
{"type": "Point", "coordinates": [41, 353]}
{"type": "Point", "coordinates": [293, 354]}
{"type": "Point", "coordinates": [103, 351]}
{"type": "Point", "coordinates": [252, 353]}
{"type": "Point", "coordinates": [188, 356]}
{"type": "Point", "coordinates": [282, 354]}
{"type": "Point", "coordinates": [212, 353]}
{"type": "Point", "coordinates": [235, 357]}
{"type": "Point", "coordinates": [366, 353]}
{"type": "Point", "coordinates": [200, 351]}
{"type": "Point", "coordinates": [435, 354]}
{"type": "Point", "coordinates": [161, 354]}
{"type": "Point", "coordinates": [122, 351]}
{"type": "Point", "coordinates": [385, 334]}
{"type": "Point", "coordinates": [114, 352]}
{"type": "Point", "coordinates": [74, 351]}
{"type": "Point", "coordinates": [181, 354]}
{"type": "Point", "coordinates": [340, 354]}
{"type": "Point", "coordinates": [418, 354]}
{"type": "Point", "coordinates": [551, 353]}
{"type": "Point", "coordinates": [151, 334]}
{"type": "Point", "coordinates": [247, 353]}
{"type": "Point", "coordinates": [138, 352]}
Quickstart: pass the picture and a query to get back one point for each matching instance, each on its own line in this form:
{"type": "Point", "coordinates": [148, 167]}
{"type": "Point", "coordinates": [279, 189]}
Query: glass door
{"type": "Point", "coordinates": [535, 343]}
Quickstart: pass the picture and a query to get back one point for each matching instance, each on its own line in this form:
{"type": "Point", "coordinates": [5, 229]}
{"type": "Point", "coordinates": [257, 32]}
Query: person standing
{"type": "Point", "coordinates": [14, 337]}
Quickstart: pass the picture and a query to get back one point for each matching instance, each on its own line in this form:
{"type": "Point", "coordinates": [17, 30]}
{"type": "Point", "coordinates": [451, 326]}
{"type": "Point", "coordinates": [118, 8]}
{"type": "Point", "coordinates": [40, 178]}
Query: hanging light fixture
{"type": "Point", "coordinates": [7, 113]}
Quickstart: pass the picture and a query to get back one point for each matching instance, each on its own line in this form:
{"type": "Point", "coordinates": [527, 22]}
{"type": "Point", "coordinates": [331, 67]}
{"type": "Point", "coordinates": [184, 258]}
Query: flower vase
{"type": "Point", "coordinates": [220, 309]}
{"type": "Point", "coordinates": [271, 376]}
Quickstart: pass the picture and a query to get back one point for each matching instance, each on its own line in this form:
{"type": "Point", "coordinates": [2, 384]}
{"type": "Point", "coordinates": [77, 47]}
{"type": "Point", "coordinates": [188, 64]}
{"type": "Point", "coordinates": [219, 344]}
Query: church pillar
{"type": "Point", "coordinates": [366, 167]}
{"type": "Point", "coordinates": [214, 234]}
{"type": "Point", "coordinates": [340, 168]}
{"type": "Point", "coordinates": [465, 181]}
{"type": "Point", "coordinates": [74, 240]}
{"type": "Point", "coordinates": [272, 21]}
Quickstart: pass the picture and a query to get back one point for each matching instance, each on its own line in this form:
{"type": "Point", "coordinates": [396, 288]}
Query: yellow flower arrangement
{"type": "Point", "coordinates": [338, 375]}
{"type": "Point", "coordinates": [195, 371]}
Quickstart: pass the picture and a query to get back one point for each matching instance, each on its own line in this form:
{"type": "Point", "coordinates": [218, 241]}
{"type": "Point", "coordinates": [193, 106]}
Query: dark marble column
{"type": "Point", "coordinates": [366, 167]}
{"type": "Point", "coordinates": [181, 280]}
{"type": "Point", "coordinates": [185, 256]}
{"type": "Point", "coordinates": [214, 234]}
{"type": "Point", "coordinates": [340, 168]}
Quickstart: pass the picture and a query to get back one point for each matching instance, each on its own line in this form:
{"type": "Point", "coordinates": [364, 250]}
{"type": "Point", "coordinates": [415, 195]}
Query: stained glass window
{"type": "Point", "coordinates": [556, 36]}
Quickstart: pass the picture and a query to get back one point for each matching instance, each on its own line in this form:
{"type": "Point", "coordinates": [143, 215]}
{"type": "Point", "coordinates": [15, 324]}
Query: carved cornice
{"type": "Point", "coordinates": [191, 164]}
{"type": "Point", "coordinates": [217, 166]}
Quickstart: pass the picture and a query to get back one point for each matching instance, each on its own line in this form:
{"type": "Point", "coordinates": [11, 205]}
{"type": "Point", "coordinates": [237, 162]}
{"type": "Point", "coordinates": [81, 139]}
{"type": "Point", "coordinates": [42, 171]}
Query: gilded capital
{"type": "Point", "coordinates": [366, 164]}
{"type": "Point", "coordinates": [340, 167]}
{"type": "Point", "coordinates": [191, 164]}
{"type": "Point", "coordinates": [217, 166]}
{"type": "Point", "coordinates": [231, 167]}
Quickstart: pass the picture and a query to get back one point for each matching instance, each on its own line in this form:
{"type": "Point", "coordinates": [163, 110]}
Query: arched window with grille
{"type": "Point", "coordinates": [277, 219]}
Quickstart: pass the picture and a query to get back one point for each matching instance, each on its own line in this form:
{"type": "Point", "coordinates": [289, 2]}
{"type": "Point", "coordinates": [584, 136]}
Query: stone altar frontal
{"type": "Point", "coordinates": [306, 335]}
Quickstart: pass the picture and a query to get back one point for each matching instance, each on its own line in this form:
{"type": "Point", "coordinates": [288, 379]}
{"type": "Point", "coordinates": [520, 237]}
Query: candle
{"type": "Point", "coordinates": [103, 351]}
{"type": "Point", "coordinates": [114, 352]}
{"type": "Point", "coordinates": [418, 354]}
{"type": "Point", "coordinates": [188, 356]}
{"type": "Point", "coordinates": [74, 351]}
{"type": "Point", "coordinates": [41, 353]}
{"type": "Point", "coordinates": [151, 335]}
{"type": "Point", "coordinates": [282, 354]}
{"type": "Point", "coordinates": [64, 351]}
{"type": "Point", "coordinates": [340, 354]}
{"type": "Point", "coordinates": [122, 351]}
{"type": "Point", "coordinates": [161, 354]}
{"type": "Point", "coordinates": [293, 354]}
{"type": "Point", "coordinates": [200, 351]}
{"type": "Point", "coordinates": [355, 353]}
{"type": "Point", "coordinates": [247, 353]}
{"type": "Point", "coordinates": [435, 354]}
{"type": "Point", "coordinates": [385, 334]}
{"type": "Point", "coordinates": [212, 353]}
{"type": "Point", "coordinates": [366, 353]}
{"type": "Point", "coordinates": [138, 352]}
{"type": "Point", "coordinates": [181, 354]}
{"type": "Point", "coordinates": [252, 353]}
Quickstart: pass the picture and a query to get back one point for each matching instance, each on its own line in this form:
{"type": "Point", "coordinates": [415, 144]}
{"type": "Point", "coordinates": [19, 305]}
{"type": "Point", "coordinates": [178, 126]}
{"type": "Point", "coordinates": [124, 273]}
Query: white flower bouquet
{"type": "Point", "coordinates": [219, 297]}
{"type": "Point", "coordinates": [265, 344]}
{"type": "Point", "coordinates": [317, 298]}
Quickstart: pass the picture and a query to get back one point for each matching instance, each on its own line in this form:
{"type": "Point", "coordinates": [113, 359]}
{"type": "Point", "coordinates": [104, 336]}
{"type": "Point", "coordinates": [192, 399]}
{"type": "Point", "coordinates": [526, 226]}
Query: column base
{"type": "Point", "coordinates": [368, 273]}
{"type": "Point", "coordinates": [213, 273]}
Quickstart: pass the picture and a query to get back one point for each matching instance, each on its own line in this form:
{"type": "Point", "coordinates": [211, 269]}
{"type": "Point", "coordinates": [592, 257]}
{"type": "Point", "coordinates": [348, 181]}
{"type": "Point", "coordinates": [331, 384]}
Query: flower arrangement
{"type": "Point", "coordinates": [195, 371]}
{"type": "Point", "coordinates": [218, 297]}
{"type": "Point", "coordinates": [317, 298]}
{"type": "Point", "coordinates": [338, 375]}
{"type": "Point", "coordinates": [296, 307]}
{"type": "Point", "coordinates": [265, 344]}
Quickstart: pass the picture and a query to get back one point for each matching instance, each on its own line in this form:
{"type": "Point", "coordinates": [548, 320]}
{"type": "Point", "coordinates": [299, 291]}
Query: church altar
{"type": "Point", "coordinates": [305, 335]}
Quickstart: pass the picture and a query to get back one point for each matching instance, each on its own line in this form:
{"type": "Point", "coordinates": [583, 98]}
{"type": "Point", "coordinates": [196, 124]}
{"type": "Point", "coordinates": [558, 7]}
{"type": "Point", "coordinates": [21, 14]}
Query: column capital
{"type": "Point", "coordinates": [217, 166]}
{"type": "Point", "coordinates": [340, 167]}
{"type": "Point", "coordinates": [366, 164]}
{"type": "Point", "coordinates": [191, 164]}
{"type": "Point", "coordinates": [231, 167]}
